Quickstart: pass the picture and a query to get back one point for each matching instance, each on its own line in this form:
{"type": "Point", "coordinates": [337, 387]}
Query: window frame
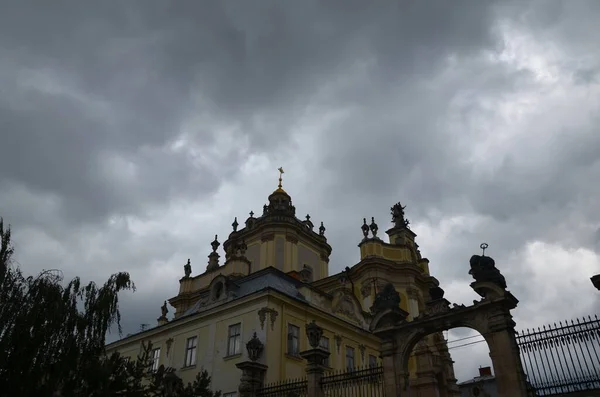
{"type": "Point", "coordinates": [291, 337]}
{"type": "Point", "coordinates": [373, 361]}
{"type": "Point", "coordinates": [352, 357]}
{"type": "Point", "coordinates": [326, 347]}
{"type": "Point", "coordinates": [234, 340]}
{"type": "Point", "coordinates": [191, 352]}
{"type": "Point", "coordinates": [155, 359]}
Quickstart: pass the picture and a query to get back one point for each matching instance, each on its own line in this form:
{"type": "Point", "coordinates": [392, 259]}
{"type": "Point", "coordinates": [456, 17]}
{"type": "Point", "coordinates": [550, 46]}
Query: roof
{"type": "Point", "coordinates": [478, 379]}
{"type": "Point", "coordinates": [248, 285]}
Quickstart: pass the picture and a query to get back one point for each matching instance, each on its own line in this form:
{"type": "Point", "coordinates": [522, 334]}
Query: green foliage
{"type": "Point", "coordinates": [52, 339]}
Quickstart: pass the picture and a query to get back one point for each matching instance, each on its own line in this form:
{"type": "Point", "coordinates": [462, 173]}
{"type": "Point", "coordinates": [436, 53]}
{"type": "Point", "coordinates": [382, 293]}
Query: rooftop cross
{"type": "Point", "coordinates": [483, 247]}
{"type": "Point", "coordinates": [280, 175]}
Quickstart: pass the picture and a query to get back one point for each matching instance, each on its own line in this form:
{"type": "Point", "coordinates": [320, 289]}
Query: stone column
{"type": "Point", "coordinates": [508, 369]}
{"type": "Point", "coordinates": [315, 357]}
{"type": "Point", "coordinates": [253, 373]}
{"type": "Point", "coordinates": [426, 383]}
{"type": "Point", "coordinates": [395, 380]}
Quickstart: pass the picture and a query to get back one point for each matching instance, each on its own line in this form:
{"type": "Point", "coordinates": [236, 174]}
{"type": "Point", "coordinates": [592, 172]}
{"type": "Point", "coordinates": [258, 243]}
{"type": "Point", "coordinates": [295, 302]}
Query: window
{"type": "Point", "coordinates": [324, 344]}
{"type": "Point", "coordinates": [190, 351]}
{"type": "Point", "coordinates": [155, 358]}
{"type": "Point", "coordinates": [234, 341]}
{"type": "Point", "coordinates": [293, 347]}
{"type": "Point", "coordinates": [372, 361]}
{"type": "Point", "coordinates": [218, 290]}
{"type": "Point", "coordinates": [232, 394]}
{"type": "Point", "coordinates": [349, 358]}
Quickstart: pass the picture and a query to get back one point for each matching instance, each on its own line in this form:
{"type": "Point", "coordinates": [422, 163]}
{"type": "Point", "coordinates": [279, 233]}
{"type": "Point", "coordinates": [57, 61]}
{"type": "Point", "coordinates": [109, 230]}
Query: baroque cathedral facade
{"type": "Point", "coordinates": [273, 280]}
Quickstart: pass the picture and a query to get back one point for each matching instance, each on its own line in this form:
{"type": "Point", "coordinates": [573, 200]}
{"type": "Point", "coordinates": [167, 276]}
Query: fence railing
{"type": "Point", "coordinates": [360, 382]}
{"type": "Point", "coordinates": [562, 358]}
{"type": "Point", "coordinates": [286, 388]}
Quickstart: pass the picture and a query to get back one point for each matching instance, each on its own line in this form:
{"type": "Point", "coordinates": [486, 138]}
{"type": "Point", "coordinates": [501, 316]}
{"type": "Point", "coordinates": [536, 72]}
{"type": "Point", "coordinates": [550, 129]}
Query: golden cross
{"type": "Point", "coordinates": [280, 174]}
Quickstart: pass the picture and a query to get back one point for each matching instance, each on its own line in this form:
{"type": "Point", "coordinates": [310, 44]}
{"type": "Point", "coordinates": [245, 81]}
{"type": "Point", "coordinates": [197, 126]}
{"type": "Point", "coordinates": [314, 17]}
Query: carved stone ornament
{"type": "Point", "coordinates": [314, 334]}
{"type": "Point", "coordinates": [366, 288]}
{"type": "Point", "coordinates": [338, 342]}
{"type": "Point", "coordinates": [388, 298]}
{"type": "Point", "coordinates": [362, 349]}
{"type": "Point", "coordinates": [345, 307]}
{"type": "Point", "coordinates": [483, 268]}
{"type": "Point", "coordinates": [255, 348]}
{"type": "Point", "coordinates": [262, 316]}
{"type": "Point", "coordinates": [436, 307]}
{"type": "Point", "coordinates": [436, 293]}
{"type": "Point", "coordinates": [169, 342]}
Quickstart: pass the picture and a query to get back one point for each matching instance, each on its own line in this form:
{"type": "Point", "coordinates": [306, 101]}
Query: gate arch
{"type": "Point", "coordinates": [490, 317]}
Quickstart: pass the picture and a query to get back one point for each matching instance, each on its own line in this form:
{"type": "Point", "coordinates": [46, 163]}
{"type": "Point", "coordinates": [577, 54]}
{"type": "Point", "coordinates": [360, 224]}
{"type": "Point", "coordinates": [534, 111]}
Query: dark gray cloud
{"type": "Point", "coordinates": [133, 132]}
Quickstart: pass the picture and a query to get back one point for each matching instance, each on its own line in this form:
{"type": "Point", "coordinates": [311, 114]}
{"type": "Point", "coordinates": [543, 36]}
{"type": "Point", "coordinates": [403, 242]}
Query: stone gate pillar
{"type": "Point", "coordinates": [253, 373]}
{"type": "Point", "coordinates": [315, 357]}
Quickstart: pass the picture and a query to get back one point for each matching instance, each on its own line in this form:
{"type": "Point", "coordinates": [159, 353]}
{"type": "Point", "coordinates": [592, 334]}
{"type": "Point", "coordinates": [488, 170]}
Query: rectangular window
{"type": "Point", "coordinates": [234, 344]}
{"type": "Point", "coordinates": [293, 339]}
{"type": "Point", "coordinates": [190, 351]}
{"type": "Point", "coordinates": [155, 358]}
{"type": "Point", "coordinates": [324, 344]}
{"type": "Point", "coordinates": [349, 358]}
{"type": "Point", "coordinates": [232, 394]}
{"type": "Point", "coordinates": [372, 361]}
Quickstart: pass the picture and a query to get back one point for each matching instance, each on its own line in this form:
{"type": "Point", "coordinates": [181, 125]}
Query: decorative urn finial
{"type": "Point", "coordinates": [314, 334]}
{"type": "Point", "coordinates": [255, 348]}
{"type": "Point", "coordinates": [373, 226]}
{"type": "Point", "coordinates": [322, 230]}
{"type": "Point", "coordinates": [215, 244]}
{"type": "Point", "coordinates": [235, 224]}
{"type": "Point", "coordinates": [365, 228]}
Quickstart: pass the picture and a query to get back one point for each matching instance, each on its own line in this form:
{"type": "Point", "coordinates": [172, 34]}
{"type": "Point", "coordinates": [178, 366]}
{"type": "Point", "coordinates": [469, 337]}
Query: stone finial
{"type": "Point", "coordinates": [255, 348]}
{"type": "Point", "coordinates": [314, 334]}
{"type": "Point", "coordinates": [373, 226]}
{"type": "Point", "coordinates": [187, 269]}
{"type": "Point", "coordinates": [213, 257]}
{"type": "Point", "coordinates": [308, 217]}
{"type": "Point", "coordinates": [365, 228]}
{"type": "Point", "coordinates": [235, 224]}
{"type": "Point", "coordinates": [215, 244]}
{"type": "Point", "coordinates": [387, 298]}
{"type": "Point", "coordinates": [322, 230]}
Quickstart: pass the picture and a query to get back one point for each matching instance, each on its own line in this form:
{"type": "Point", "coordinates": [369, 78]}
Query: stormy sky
{"type": "Point", "coordinates": [133, 132]}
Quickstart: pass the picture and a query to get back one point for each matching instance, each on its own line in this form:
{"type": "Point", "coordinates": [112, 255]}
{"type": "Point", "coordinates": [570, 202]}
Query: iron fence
{"type": "Point", "coordinates": [562, 358]}
{"type": "Point", "coordinates": [286, 388]}
{"type": "Point", "coordinates": [360, 382]}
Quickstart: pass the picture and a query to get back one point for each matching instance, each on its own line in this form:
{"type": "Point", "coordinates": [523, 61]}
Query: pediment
{"type": "Point", "coordinates": [346, 305]}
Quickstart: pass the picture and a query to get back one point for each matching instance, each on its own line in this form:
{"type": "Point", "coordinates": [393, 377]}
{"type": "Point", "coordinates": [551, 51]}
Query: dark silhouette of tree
{"type": "Point", "coordinates": [52, 339]}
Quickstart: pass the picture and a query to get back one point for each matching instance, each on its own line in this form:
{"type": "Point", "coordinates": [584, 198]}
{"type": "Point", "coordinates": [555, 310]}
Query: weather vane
{"type": "Point", "coordinates": [483, 247]}
{"type": "Point", "coordinates": [280, 174]}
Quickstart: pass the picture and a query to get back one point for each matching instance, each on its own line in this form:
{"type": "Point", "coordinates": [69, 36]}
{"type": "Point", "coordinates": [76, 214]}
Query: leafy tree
{"type": "Point", "coordinates": [52, 339]}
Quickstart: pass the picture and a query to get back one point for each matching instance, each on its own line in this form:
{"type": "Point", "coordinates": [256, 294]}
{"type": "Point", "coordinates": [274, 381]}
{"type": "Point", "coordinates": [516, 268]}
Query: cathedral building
{"type": "Point", "coordinates": [273, 280]}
